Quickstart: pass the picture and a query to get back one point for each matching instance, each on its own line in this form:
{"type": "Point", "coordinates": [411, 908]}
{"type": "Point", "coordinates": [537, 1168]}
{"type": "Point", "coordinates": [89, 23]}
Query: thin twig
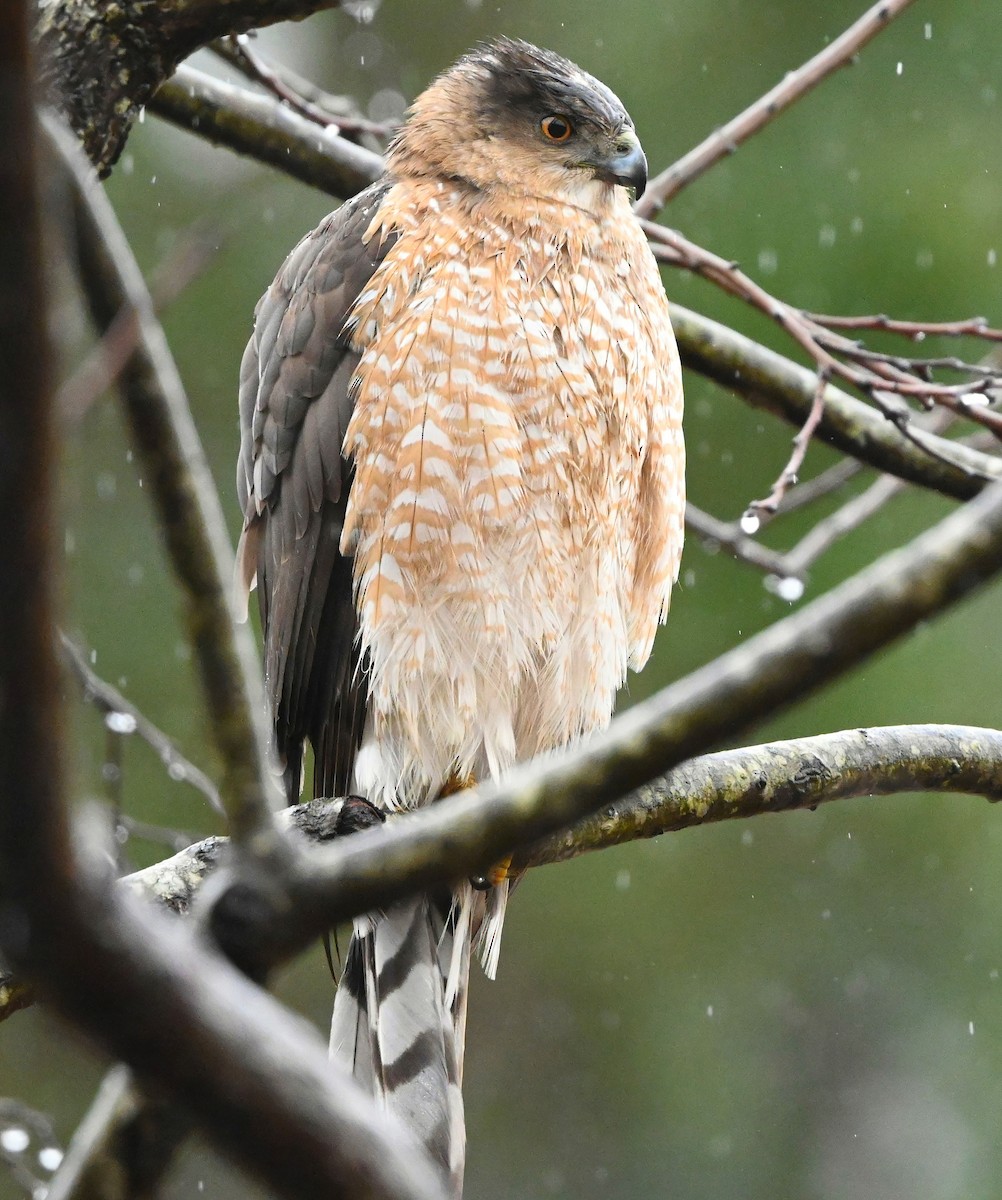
{"type": "Point", "coordinates": [237, 51]}
{"type": "Point", "coordinates": [760, 511]}
{"type": "Point", "coordinates": [918, 331]}
{"type": "Point", "coordinates": [832, 479]}
{"type": "Point", "coordinates": [729, 536]}
{"type": "Point", "coordinates": [768, 380]}
{"type": "Point", "coordinates": [850, 516]}
{"type": "Point", "coordinates": [123, 718]}
{"type": "Point", "coordinates": [792, 87]}
{"type": "Point", "coordinates": [882, 387]}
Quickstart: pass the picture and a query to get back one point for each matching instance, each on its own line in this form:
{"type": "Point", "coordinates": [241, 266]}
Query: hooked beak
{"type": "Point", "coordinates": [626, 165]}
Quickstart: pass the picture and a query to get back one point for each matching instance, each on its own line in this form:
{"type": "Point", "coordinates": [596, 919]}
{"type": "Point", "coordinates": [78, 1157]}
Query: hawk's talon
{"type": "Point", "coordinates": [492, 878]}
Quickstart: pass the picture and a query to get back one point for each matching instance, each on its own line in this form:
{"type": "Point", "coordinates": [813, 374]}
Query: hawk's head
{"type": "Point", "coordinates": [509, 116]}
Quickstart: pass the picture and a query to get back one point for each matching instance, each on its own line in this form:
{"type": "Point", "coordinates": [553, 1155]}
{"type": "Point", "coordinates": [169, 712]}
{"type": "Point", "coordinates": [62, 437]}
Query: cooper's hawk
{"type": "Point", "coordinates": [461, 471]}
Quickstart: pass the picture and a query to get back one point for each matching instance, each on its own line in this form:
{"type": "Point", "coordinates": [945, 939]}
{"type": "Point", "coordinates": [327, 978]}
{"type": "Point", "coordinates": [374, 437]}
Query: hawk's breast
{"type": "Point", "coordinates": [504, 430]}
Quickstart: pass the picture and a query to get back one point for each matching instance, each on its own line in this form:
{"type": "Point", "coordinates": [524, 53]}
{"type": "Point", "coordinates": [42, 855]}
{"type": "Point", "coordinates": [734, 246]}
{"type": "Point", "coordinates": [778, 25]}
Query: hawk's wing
{"type": "Point", "coordinates": [295, 403]}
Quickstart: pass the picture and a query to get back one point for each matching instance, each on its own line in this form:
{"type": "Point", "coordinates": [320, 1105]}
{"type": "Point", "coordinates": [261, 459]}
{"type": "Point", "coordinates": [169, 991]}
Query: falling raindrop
{"type": "Point", "coordinates": [15, 1140]}
{"type": "Point", "coordinates": [49, 1158]}
{"type": "Point", "coordinates": [120, 722]}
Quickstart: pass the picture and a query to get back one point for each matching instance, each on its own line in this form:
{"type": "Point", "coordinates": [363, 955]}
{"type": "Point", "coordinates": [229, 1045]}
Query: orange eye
{"type": "Point", "coordinates": [556, 127]}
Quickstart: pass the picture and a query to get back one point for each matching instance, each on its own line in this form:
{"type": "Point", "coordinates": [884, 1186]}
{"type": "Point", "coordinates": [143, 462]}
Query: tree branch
{"type": "Point", "coordinates": [124, 719]}
{"type": "Point", "coordinates": [794, 85]}
{"type": "Point", "coordinates": [257, 125]}
{"type": "Point", "coordinates": [782, 776]}
{"type": "Point", "coordinates": [770, 381]}
{"type": "Point", "coordinates": [188, 506]}
{"type": "Point", "coordinates": [102, 62]}
{"type": "Point", "coordinates": [272, 133]}
{"type": "Point", "coordinates": [461, 834]}
{"type": "Point", "coordinates": [747, 782]}
{"type": "Point", "coordinates": [255, 1076]}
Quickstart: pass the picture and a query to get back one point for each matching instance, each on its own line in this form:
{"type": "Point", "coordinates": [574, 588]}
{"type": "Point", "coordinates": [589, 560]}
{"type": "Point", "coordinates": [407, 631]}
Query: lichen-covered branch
{"type": "Point", "coordinates": [747, 782]}
{"type": "Point", "coordinates": [785, 662]}
{"type": "Point", "coordinates": [101, 62]}
{"type": "Point", "coordinates": [782, 776]}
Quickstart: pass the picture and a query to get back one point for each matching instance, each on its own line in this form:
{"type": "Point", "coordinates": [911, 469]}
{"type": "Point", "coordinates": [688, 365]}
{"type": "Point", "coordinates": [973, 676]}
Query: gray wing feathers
{"type": "Point", "coordinates": [295, 405]}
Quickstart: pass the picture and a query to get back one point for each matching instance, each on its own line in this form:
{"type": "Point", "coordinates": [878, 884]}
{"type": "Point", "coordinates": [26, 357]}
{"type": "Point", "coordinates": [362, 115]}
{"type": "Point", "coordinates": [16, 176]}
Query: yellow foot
{"type": "Point", "coordinates": [456, 783]}
{"type": "Point", "coordinates": [494, 877]}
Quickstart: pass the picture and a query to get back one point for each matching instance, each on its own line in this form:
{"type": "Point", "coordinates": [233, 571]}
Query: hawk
{"type": "Point", "coordinates": [461, 472]}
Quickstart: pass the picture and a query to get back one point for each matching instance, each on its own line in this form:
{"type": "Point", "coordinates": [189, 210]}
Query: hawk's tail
{"type": "Point", "coordinates": [399, 1021]}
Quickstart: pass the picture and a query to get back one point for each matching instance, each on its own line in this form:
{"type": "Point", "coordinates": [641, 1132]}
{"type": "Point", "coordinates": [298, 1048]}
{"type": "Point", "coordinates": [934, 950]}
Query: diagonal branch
{"type": "Point", "coordinates": [748, 782]}
{"type": "Point", "coordinates": [795, 84]}
{"type": "Point", "coordinates": [272, 133]}
{"type": "Point", "coordinates": [257, 125]}
{"type": "Point", "coordinates": [188, 505]}
{"type": "Point", "coordinates": [797, 774]}
{"type": "Point", "coordinates": [768, 380]}
{"type": "Point", "coordinates": [459, 835]}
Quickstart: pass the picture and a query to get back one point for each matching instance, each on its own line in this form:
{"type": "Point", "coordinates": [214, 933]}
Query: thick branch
{"type": "Point", "coordinates": [141, 985]}
{"type": "Point", "coordinates": [187, 503]}
{"type": "Point", "coordinates": [782, 776]}
{"type": "Point", "coordinates": [259, 126]}
{"type": "Point", "coordinates": [461, 834]}
{"type": "Point", "coordinates": [768, 380]}
{"type": "Point", "coordinates": [102, 62]}
{"type": "Point", "coordinates": [778, 777]}
{"type": "Point", "coordinates": [273, 133]}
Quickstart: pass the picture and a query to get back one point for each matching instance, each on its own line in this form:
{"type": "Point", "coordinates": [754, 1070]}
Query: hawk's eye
{"type": "Point", "coordinates": [556, 128]}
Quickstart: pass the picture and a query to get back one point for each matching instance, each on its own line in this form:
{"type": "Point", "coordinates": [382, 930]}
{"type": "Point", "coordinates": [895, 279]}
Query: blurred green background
{"type": "Point", "coordinates": [800, 1006]}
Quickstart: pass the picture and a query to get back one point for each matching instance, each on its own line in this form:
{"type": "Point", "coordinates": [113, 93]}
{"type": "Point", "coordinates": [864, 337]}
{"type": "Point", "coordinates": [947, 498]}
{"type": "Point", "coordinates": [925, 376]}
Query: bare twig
{"type": "Point", "coordinates": [760, 511]}
{"type": "Point", "coordinates": [792, 87]}
{"type": "Point", "coordinates": [918, 331]}
{"type": "Point", "coordinates": [237, 51]}
{"type": "Point", "coordinates": [189, 508]}
{"type": "Point", "coordinates": [882, 385]}
{"type": "Point", "coordinates": [272, 133]}
{"type": "Point", "coordinates": [37, 1147]}
{"type": "Point", "coordinates": [768, 380]}
{"type": "Point", "coordinates": [124, 718]}
{"type": "Point", "coordinates": [729, 536]}
{"type": "Point", "coordinates": [120, 1148]}
{"type": "Point", "coordinates": [832, 479]}
{"type": "Point", "coordinates": [850, 516]}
